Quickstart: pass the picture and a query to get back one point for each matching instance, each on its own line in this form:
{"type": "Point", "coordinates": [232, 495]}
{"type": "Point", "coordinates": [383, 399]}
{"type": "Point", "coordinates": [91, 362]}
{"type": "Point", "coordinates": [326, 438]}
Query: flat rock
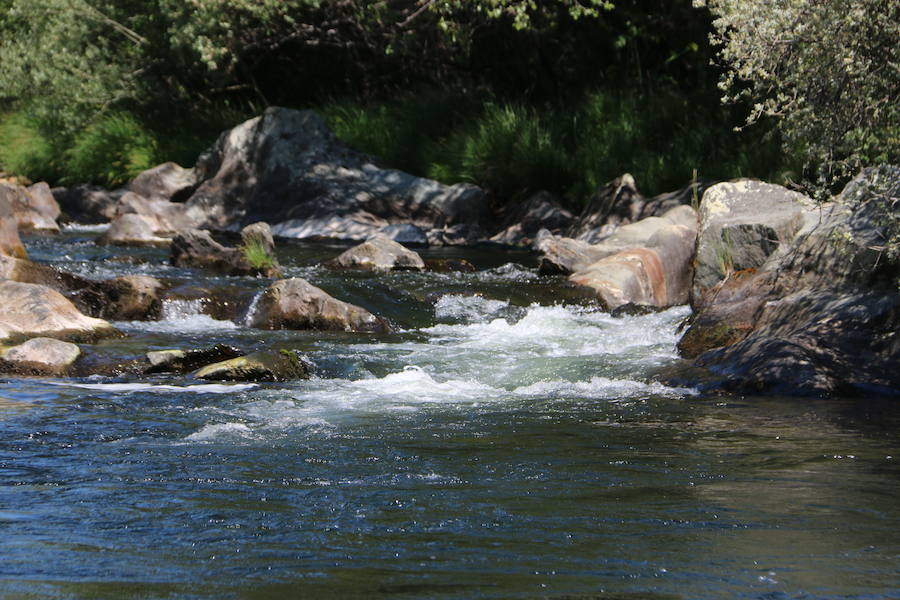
{"type": "Point", "coordinates": [297, 304]}
{"type": "Point", "coordinates": [41, 356]}
{"type": "Point", "coordinates": [380, 253]}
{"type": "Point", "coordinates": [185, 361]}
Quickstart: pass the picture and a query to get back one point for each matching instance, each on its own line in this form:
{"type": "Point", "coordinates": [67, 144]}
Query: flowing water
{"type": "Point", "coordinates": [509, 441]}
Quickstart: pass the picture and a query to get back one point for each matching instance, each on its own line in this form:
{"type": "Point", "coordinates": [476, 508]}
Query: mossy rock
{"type": "Point", "coordinates": [267, 365]}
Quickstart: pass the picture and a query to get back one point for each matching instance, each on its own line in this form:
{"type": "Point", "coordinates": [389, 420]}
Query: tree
{"type": "Point", "coordinates": [827, 71]}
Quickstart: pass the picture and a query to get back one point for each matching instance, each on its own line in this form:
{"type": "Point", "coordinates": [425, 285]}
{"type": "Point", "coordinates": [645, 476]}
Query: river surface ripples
{"type": "Point", "coordinates": [508, 441]}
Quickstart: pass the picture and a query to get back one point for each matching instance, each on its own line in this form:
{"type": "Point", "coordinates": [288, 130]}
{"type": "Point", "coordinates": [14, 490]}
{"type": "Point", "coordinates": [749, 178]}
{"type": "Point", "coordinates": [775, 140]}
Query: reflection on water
{"type": "Point", "coordinates": [501, 445]}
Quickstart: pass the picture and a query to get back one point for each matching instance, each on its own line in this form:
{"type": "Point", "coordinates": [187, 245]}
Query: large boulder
{"type": "Point", "coordinates": [10, 243]}
{"type": "Point", "coordinates": [380, 253]}
{"type": "Point", "coordinates": [741, 224]}
{"type": "Point", "coordinates": [287, 168]}
{"type": "Point", "coordinates": [282, 365]}
{"type": "Point", "coordinates": [297, 304]}
{"type": "Point", "coordinates": [671, 237]}
{"type": "Point", "coordinates": [34, 207]}
{"type": "Point", "coordinates": [29, 310]}
{"type": "Point", "coordinates": [132, 230]}
{"type": "Point", "coordinates": [655, 274]}
{"type": "Point", "coordinates": [40, 356]}
{"type": "Point", "coordinates": [821, 314]}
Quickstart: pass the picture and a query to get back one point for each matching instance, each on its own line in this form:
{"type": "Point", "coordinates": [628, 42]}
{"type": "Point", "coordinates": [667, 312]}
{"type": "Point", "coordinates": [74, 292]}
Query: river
{"type": "Point", "coordinates": [509, 441]}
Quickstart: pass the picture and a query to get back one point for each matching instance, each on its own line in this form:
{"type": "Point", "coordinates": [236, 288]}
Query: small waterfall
{"type": "Point", "coordinates": [179, 310]}
{"type": "Point", "coordinates": [247, 318]}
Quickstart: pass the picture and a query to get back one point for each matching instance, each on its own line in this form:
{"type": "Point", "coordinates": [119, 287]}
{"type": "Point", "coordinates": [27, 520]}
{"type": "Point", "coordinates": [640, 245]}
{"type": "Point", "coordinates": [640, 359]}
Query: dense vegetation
{"type": "Point", "coordinates": [511, 94]}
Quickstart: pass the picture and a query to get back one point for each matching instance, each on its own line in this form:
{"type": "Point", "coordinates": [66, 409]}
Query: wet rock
{"type": "Point", "coordinates": [405, 233]}
{"type": "Point", "coordinates": [283, 365]}
{"type": "Point", "coordinates": [34, 207]}
{"type": "Point", "coordinates": [256, 256]}
{"type": "Point", "coordinates": [380, 253]}
{"type": "Point", "coordinates": [168, 182]}
{"type": "Point", "coordinates": [10, 243]}
{"type": "Point", "coordinates": [540, 211]}
{"type": "Point", "coordinates": [821, 315]}
{"type": "Point", "coordinates": [87, 203]}
{"type": "Point", "coordinates": [185, 361]}
{"type": "Point", "coordinates": [334, 191]}
{"type": "Point", "coordinates": [29, 310]}
{"type": "Point", "coordinates": [633, 310]}
{"type": "Point", "coordinates": [40, 356]}
{"type": "Point", "coordinates": [296, 304]}
{"type": "Point", "coordinates": [130, 298]}
{"type": "Point", "coordinates": [132, 230]}
{"type": "Point", "coordinates": [449, 265]}
{"type": "Point", "coordinates": [564, 256]}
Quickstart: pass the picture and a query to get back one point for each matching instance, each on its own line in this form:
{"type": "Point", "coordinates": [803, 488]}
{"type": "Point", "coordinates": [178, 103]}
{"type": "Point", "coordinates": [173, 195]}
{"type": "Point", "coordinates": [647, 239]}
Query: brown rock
{"type": "Point", "coordinates": [29, 310]}
{"type": "Point", "coordinates": [380, 253]}
{"type": "Point", "coordinates": [132, 230]}
{"type": "Point", "coordinates": [296, 304]}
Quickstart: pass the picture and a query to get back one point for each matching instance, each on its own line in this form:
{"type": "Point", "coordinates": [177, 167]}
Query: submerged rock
{"type": "Point", "coordinates": [282, 365]}
{"type": "Point", "coordinates": [297, 304]}
{"type": "Point", "coordinates": [185, 361]}
{"type": "Point", "coordinates": [29, 310]}
{"type": "Point", "coordinates": [40, 356]}
{"type": "Point", "coordinates": [379, 253]}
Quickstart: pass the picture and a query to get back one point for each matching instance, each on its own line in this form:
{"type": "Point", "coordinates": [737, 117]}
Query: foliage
{"type": "Point", "coordinates": [828, 72]}
{"type": "Point", "coordinates": [513, 148]}
{"type": "Point", "coordinates": [257, 256]}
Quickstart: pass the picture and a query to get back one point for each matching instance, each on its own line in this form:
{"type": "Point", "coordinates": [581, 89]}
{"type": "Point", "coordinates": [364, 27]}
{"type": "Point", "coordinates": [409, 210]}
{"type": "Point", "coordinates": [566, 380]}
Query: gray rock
{"type": "Point", "coordinates": [540, 211]}
{"type": "Point", "coordinates": [40, 356]}
{"type": "Point", "coordinates": [30, 310]}
{"type": "Point", "coordinates": [168, 182]}
{"type": "Point", "coordinates": [282, 365]}
{"type": "Point", "coordinates": [380, 253]}
{"type": "Point", "coordinates": [87, 203]}
{"type": "Point", "coordinates": [286, 168]}
{"type": "Point", "coordinates": [34, 207]}
{"type": "Point", "coordinates": [132, 230]}
{"type": "Point", "coordinates": [405, 233]}
{"type": "Point", "coordinates": [741, 224]}
{"type": "Point", "coordinates": [296, 304]}
{"type": "Point", "coordinates": [197, 248]}
{"type": "Point", "coordinates": [821, 315]}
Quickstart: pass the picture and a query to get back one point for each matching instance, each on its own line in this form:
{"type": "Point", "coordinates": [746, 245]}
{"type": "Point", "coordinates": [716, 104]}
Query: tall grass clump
{"type": "Point", "coordinates": [111, 151]}
{"type": "Point", "coordinates": [24, 151]}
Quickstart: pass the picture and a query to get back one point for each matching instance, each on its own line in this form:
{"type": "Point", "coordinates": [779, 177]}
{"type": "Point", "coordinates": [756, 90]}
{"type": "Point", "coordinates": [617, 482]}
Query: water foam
{"type": "Point", "coordinates": [470, 309]}
{"type": "Point", "coordinates": [129, 388]}
{"type": "Point", "coordinates": [180, 316]}
{"type": "Point", "coordinates": [219, 430]}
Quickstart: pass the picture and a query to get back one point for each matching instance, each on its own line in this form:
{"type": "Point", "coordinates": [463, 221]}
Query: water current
{"type": "Point", "coordinates": [508, 441]}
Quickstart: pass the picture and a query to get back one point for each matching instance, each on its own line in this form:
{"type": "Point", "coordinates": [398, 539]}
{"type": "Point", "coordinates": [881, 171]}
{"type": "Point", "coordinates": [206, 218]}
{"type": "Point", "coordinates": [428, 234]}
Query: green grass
{"type": "Point", "coordinates": [257, 256]}
{"type": "Point", "coordinates": [509, 148]}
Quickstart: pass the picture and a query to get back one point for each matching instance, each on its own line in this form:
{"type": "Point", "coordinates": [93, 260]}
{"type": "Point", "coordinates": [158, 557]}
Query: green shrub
{"type": "Point", "coordinates": [111, 151]}
{"type": "Point", "coordinates": [23, 151]}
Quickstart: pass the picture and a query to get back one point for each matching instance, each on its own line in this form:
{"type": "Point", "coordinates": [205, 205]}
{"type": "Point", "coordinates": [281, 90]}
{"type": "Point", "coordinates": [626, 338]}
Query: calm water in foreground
{"type": "Point", "coordinates": [510, 444]}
